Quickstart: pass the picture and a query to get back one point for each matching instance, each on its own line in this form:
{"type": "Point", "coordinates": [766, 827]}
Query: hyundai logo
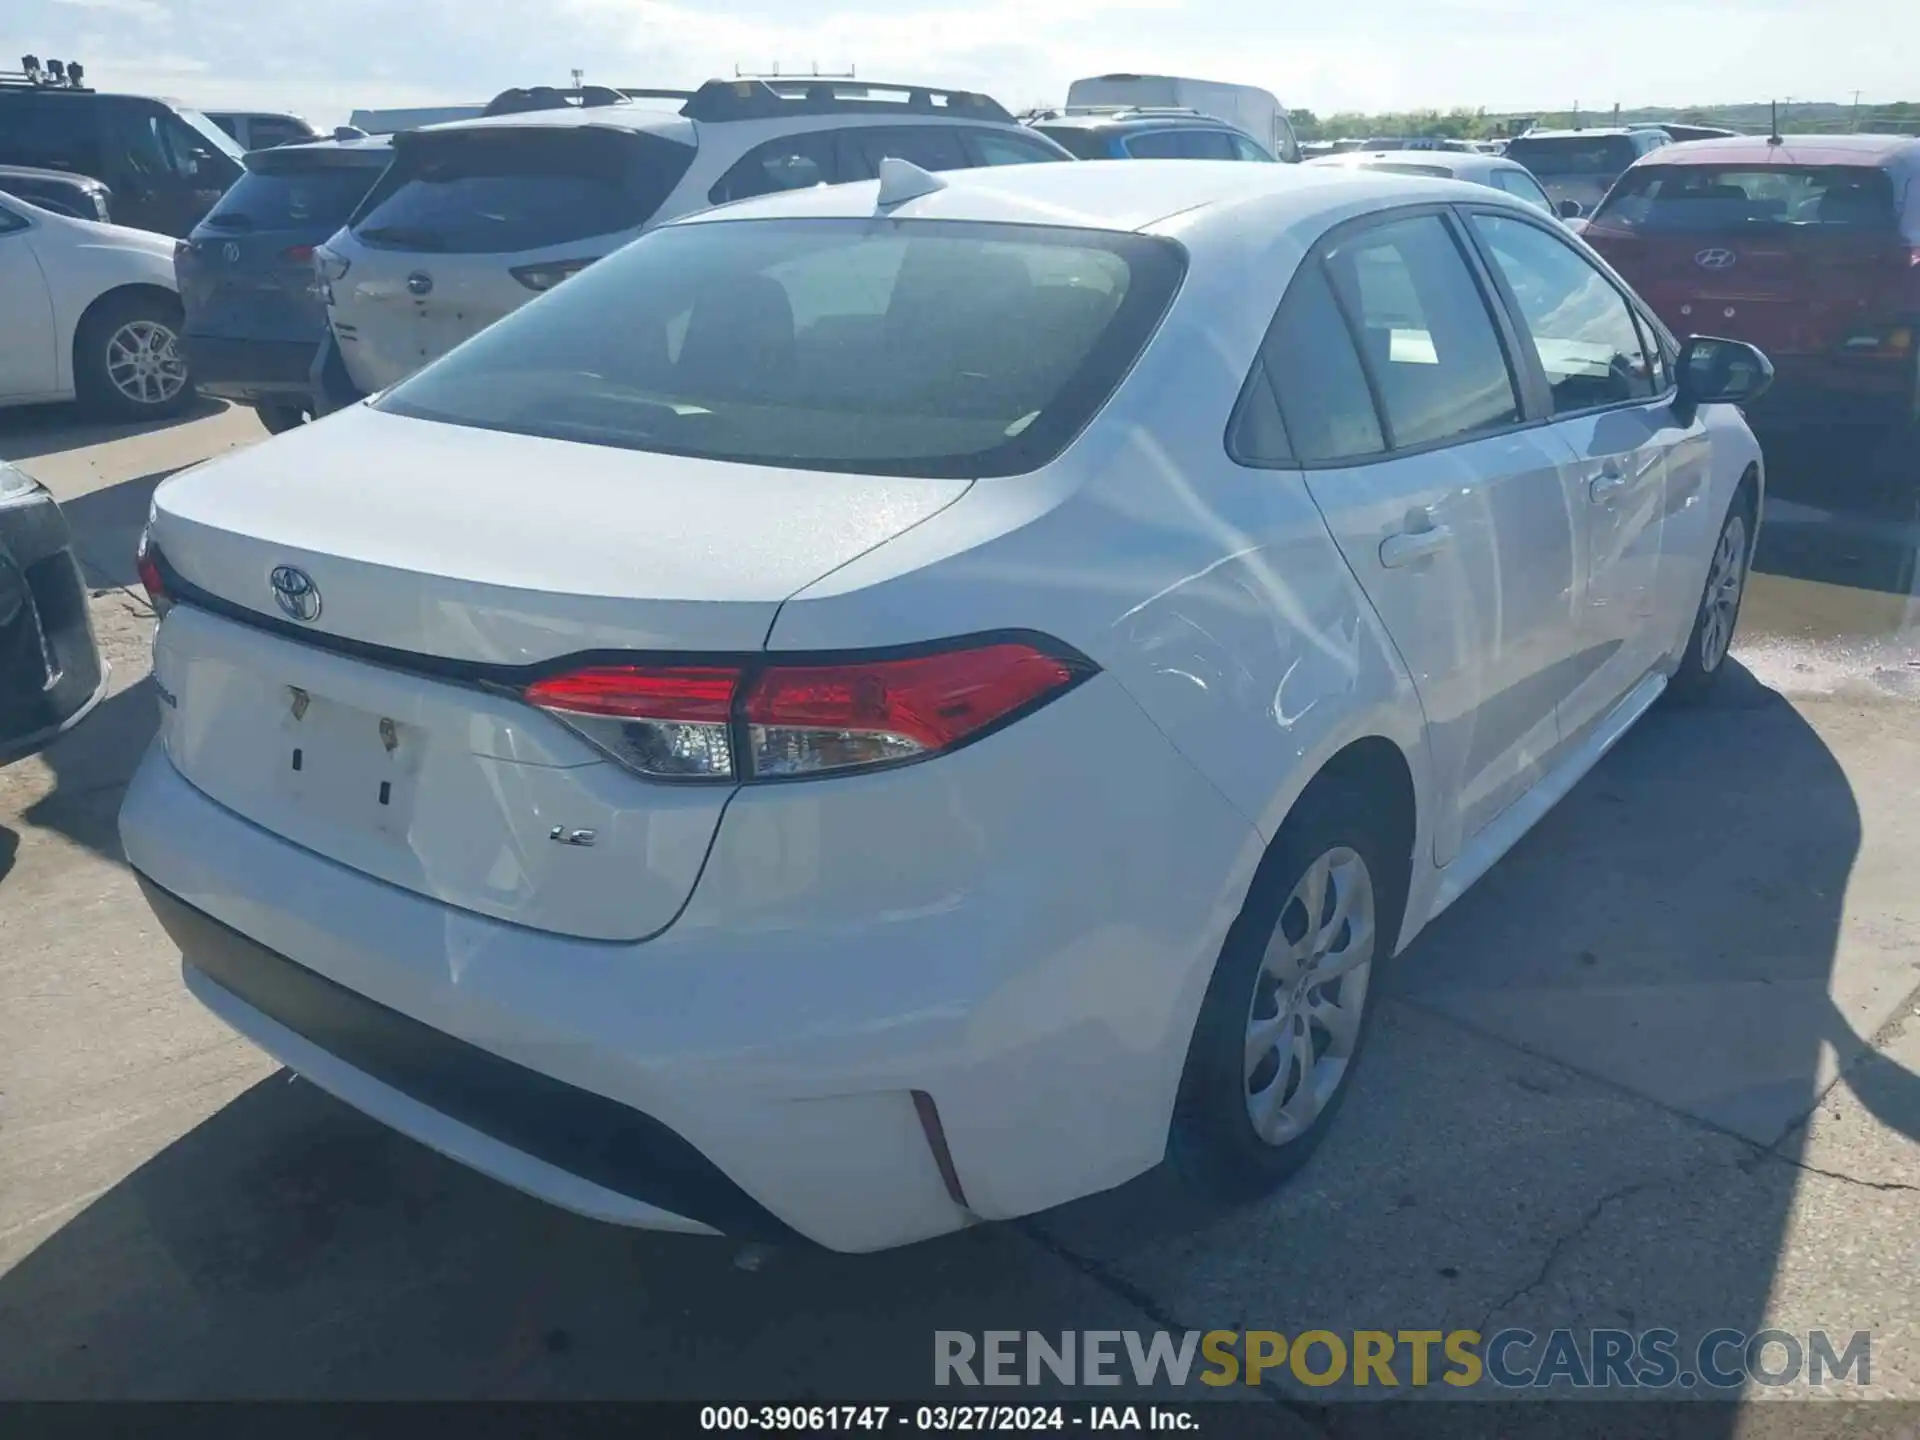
{"type": "Point", "coordinates": [1714, 258]}
{"type": "Point", "coordinates": [419, 283]}
{"type": "Point", "coordinates": [295, 593]}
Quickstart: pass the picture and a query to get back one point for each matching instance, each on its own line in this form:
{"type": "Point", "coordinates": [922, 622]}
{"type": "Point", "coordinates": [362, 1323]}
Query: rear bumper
{"type": "Point", "coordinates": [1023, 946]}
{"type": "Point", "coordinates": [248, 370]}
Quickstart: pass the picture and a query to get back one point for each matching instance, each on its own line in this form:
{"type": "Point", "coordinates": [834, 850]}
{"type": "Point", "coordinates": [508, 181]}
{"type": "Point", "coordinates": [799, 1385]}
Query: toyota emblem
{"type": "Point", "coordinates": [1714, 258]}
{"type": "Point", "coordinates": [419, 283]}
{"type": "Point", "coordinates": [230, 253]}
{"type": "Point", "coordinates": [295, 593]}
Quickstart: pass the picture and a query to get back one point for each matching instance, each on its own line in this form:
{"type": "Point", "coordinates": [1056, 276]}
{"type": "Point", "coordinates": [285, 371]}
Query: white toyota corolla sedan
{"type": "Point", "coordinates": [893, 705]}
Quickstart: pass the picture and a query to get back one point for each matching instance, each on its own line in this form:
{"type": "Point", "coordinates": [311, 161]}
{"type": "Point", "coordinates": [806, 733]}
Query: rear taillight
{"type": "Point", "coordinates": [764, 721]}
{"type": "Point", "coordinates": [549, 273]}
{"type": "Point", "coordinates": [146, 560]}
{"type": "Point", "coordinates": [298, 254]}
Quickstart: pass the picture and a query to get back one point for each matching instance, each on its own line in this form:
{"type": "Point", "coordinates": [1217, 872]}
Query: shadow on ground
{"type": "Point", "coordinates": [28, 431]}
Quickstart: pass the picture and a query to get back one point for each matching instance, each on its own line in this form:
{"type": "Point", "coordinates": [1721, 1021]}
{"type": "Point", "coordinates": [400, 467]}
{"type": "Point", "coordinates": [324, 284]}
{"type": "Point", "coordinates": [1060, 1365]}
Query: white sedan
{"type": "Point", "coordinates": [739, 746]}
{"type": "Point", "coordinates": [90, 310]}
{"type": "Point", "coordinates": [1475, 167]}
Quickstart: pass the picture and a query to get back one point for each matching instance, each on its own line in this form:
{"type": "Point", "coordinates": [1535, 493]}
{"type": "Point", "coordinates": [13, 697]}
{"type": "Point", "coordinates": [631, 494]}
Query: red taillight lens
{"type": "Point", "coordinates": [805, 719]}
{"type": "Point", "coordinates": [690, 722]}
{"type": "Point", "coordinates": [669, 723]}
{"type": "Point", "coordinates": [147, 562]}
{"type": "Point", "coordinates": [299, 254]}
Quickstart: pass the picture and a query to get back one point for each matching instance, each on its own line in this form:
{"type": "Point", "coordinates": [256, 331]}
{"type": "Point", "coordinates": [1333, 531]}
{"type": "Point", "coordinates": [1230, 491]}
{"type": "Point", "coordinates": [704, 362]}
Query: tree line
{"type": "Point", "coordinates": [1461, 123]}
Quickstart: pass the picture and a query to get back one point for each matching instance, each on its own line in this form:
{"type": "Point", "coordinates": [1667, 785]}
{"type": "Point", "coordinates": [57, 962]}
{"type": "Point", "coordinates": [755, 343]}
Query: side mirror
{"type": "Point", "coordinates": [1570, 209]}
{"type": "Point", "coordinates": [1721, 372]}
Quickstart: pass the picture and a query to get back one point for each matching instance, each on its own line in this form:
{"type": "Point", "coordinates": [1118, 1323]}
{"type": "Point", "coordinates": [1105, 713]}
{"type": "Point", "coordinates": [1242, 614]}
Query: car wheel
{"type": "Point", "coordinates": [1286, 1012]}
{"type": "Point", "coordinates": [1719, 613]}
{"type": "Point", "coordinates": [127, 359]}
{"type": "Point", "coordinates": [280, 418]}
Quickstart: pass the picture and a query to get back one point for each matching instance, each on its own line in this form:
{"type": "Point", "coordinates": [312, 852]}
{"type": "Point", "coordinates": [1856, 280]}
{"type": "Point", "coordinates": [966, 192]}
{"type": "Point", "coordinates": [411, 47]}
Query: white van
{"type": "Point", "coordinates": [1247, 106]}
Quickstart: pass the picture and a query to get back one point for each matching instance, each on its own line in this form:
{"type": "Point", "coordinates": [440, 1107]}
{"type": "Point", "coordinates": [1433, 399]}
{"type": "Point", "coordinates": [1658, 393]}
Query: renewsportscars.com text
{"type": "Point", "coordinates": [1390, 1359]}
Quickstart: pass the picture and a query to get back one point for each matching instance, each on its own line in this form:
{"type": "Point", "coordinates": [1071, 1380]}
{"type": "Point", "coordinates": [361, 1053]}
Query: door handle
{"type": "Point", "coordinates": [1412, 545]}
{"type": "Point", "coordinates": [1607, 484]}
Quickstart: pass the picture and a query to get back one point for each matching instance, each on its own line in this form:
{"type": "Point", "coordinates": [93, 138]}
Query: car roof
{"type": "Point", "coordinates": [634, 117]}
{"type": "Point", "coordinates": [1593, 132]}
{"type": "Point", "coordinates": [1791, 150]}
{"type": "Point", "coordinates": [1120, 195]}
{"type": "Point", "coordinates": [1459, 160]}
{"type": "Point", "coordinates": [36, 172]}
{"type": "Point", "coordinates": [1132, 119]}
{"type": "Point", "coordinates": [377, 143]}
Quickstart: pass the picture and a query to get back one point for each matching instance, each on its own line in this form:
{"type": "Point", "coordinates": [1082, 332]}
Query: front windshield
{"type": "Point", "coordinates": [210, 132]}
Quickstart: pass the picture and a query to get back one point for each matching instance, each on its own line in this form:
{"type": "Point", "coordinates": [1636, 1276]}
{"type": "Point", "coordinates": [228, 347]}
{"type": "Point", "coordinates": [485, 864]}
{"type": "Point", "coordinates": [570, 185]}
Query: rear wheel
{"type": "Point", "coordinates": [1719, 613]}
{"type": "Point", "coordinates": [1286, 1012]}
{"type": "Point", "coordinates": [127, 362]}
{"type": "Point", "coordinates": [280, 418]}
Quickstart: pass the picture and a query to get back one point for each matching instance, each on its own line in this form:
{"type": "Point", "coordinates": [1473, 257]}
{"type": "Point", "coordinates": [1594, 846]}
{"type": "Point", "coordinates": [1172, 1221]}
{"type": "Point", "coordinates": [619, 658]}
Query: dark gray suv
{"type": "Point", "coordinates": [254, 322]}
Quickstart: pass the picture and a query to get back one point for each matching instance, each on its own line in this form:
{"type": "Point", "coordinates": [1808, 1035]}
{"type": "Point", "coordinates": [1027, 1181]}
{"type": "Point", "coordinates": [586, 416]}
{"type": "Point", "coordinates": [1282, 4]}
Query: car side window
{"type": "Point", "coordinates": [1582, 328]}
{"type": "Point", "coordinates": [1307, 400]}
{"type": "Point", "coordinates": [1245, 149]}
{"type": "Point", "coordinates": [1523, 186]}
{"type": "Point", "coordinates": [55, 132]}
{"type": "Point", "coordinates": [1190, 144]}
{"type": "Point", "coordinates": [1004, 147]}
{"type": "Point", "coordinates": [1426, 336]}
{"type": "Point", "coordinates": [10, 222]}
{"type": "Point", "coordinates": [931, 147]}
{"type": "Point", "coordinates": [792, 162]}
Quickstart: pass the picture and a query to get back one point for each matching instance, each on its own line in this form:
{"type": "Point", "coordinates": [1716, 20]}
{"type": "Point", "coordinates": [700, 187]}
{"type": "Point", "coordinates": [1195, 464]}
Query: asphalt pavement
{"type": "Point", "coordinates": [1661, 1068]}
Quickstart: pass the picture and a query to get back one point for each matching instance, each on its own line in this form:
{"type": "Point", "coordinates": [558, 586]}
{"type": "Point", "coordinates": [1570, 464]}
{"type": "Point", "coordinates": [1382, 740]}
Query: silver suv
{"type": "Point", "coordinates": [476, 217]}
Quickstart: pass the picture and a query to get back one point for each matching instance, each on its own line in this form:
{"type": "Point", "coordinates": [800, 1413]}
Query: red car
{"type": "Point", "coordinates": [1807, 246]}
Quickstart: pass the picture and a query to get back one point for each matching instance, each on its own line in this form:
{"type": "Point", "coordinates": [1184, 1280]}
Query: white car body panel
{"type": "Point", "coordinates": [51, 271]}
{"type": "Point", "coordinates": [1021, 930]}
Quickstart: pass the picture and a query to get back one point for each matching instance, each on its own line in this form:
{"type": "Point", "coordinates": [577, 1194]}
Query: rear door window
{"type": "Point", "coordinates": [53, 132]}
{"type": "Point", "coordinates": [1245, 149]}
{"type": "Point", "coordinates": [1426, 335]}
{"type": "Point", "coordinates": [790, 162]}
{"type": "Point", "coordinates": [1523, 186]}
{"type": "Point", "coordinates": [1079, 141]}
{"type": "Point", "coordinates": [931, 147]}
{"type": "Point", "coordinates": [313, 196]}
{"type": "Point", "coordinates": [915, 348]}
{"type": "Point", "coordinates": [1728, 197]}
{"type": "Point", "coordinates": [1581, 327]}
{"type": "Point", "coordinates": [1005, 147]}
{"type": "Point", "coordinates": [506, 189]}
{"type": "Point", "coordinates": [1195, 144]}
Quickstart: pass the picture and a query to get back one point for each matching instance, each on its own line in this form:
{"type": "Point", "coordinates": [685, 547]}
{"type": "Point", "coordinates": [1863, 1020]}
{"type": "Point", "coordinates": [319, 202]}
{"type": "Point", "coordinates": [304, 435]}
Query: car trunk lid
{"type": "Point", "coordinates": [372, 717]}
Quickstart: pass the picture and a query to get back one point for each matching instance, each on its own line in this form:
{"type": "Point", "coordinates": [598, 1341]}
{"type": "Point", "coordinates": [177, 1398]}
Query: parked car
{"type": "Point", "coordinates": [1382, 144]}
{"type": "Point", "coordinates": [1674, 131]}
{"type": "Point", "coordinates": [1247, 108]}
{"type": "Point", "coordinates": [1478, 169]}
{"type": "Point", "coordinates": [254, 319]}
{"type": "Point", "coordinates": [1808, 246]}
{"type": "Point", "coordinates": [51, 673]}
{"type": "Point", "coordinates": [262, 129]}
{"type": "Point", "coordinates": [91, 311]}
{"type": "Point", "coordinates": [1580, 165]}
{"type": "Point", "coordinates": [476, 217]}
{"type": "Point", "coordinates": [165, 164]}
{"type": "Point", "coordinates": [739, 745]}
{"type": "Point", "coordinates": [1102, 133]}
{"type": "Point", "coordinates": [58, 191]}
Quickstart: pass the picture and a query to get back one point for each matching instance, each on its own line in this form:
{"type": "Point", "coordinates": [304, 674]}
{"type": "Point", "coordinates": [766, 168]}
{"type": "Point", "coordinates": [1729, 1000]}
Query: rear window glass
{"type": "Point", "coordinates": [1575, 154]}
{"type": "Point", "coordinates": [1715, 197]}
{"type": "Point", "coordinates": [310, 197]}
{"type": "Point", "coordinates": [498, 191]}
{"type": "Point", "coordinates": [1079, 141]}
{"type": "Point", "coordinates": [906, 348]}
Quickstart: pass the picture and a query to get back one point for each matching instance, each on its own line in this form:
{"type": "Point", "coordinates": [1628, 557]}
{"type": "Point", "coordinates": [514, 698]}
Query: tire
{"type": "Point", "coordinates": [1718, 614]}
{"type": "Point", "coordinates": [278, 419]}
{"type": "Point", "coordinates": [1217, 1151]}
{"type": "Point", "coordinates": [127, 363]}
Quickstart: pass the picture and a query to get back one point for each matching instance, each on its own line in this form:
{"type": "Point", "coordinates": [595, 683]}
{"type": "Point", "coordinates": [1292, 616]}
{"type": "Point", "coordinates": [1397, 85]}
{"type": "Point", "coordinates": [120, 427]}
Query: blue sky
{"type": "Point", "coordinates": [323, 58]}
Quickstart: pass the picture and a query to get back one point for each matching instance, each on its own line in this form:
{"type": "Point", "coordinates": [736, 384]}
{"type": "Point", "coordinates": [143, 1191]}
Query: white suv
{"type": "Point", "coordinates": [476, 217]}
{"type": "Point", "coordinates": [881, 707]}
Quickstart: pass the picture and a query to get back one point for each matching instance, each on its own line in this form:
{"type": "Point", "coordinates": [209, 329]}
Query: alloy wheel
{"type": "Point", "coordinates": [1721, 607]}
{"type": "Point", "coordinates": [1310, 993]}
{"type": "Point", "coordinates": [144, 362]}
